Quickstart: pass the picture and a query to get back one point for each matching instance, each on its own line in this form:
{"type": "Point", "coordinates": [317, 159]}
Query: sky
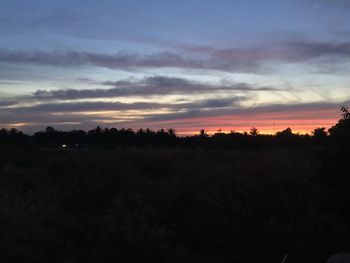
{"type": "Point", "coordinates": [185, 64]}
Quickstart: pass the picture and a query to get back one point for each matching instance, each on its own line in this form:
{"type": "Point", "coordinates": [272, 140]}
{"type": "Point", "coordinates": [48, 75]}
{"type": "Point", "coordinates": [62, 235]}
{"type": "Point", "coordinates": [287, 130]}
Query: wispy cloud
{"type": "Point", "coordinates": [114, 61]}
{"type": "Point", "coordinates": [211, 113]}
{"type": "Point", "coordinates": [269, 119]}
{"type": "Point", "coordinates": [161, 85]}
{"type": "Point", "coordinates": [237, 59]}
{"type": "Point", "coordinates": [85, 107]}
{"type": "Point", "coordinates": [89, 107]}
{"type": "Point", "coordinates": [146, 87]}
{"type": "Point", "coordinates": [288, 52]}
{"type": "Point", "coordinates": [314, 108]}
{"type": "Point", "coordinates": [120, 106]}
{"type": "Point", "coordinates": [100, 112]}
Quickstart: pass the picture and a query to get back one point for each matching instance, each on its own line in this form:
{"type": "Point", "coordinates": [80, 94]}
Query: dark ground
{"type": "Point", "coordinates": [220, 199]}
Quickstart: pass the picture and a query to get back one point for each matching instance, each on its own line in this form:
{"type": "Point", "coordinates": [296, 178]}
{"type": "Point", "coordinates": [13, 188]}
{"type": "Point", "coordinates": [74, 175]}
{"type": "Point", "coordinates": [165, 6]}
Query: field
{"type": "Point", "coordinates": [168, 204]}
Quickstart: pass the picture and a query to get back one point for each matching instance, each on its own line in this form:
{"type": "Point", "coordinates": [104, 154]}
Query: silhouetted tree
{"type": "Point", "coordinates": [171, 132]}
{"type": "Point", "coordinates": [285, 133]}
{"type": "Point", "coordinates": [96, 131]}
{"type": "Point", "coordinates": [50, 129]}
{"type": "Point", "coordinates": [335, 170]}
{"type": "Point", "coordinates": [345, 113]}
{"type": "Point", "coordinates": [340, 132]}
{"type": "Point", "coordinates": [253, 132]}
{"type": "Point", "coordinates": [319, 132]}
{"type": "Point", "coordinates": [203, 133]}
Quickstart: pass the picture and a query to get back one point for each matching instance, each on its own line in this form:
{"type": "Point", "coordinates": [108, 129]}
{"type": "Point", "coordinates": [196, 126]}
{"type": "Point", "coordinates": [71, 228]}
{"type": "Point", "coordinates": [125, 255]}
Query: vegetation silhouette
{"type": "Point", "coordinates": [118, 195]}
{"type": "Point", "coordinates": [112, 137]}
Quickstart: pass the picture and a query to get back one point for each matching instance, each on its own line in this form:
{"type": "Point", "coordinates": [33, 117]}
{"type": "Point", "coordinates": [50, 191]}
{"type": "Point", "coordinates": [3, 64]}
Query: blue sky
{"type": "Point", "coordinates": [181, 64]}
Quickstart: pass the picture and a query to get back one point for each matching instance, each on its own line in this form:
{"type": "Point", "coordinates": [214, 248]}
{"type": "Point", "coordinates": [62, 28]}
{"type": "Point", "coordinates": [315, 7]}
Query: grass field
{"type": "Point", "coordinates": [167, 205]}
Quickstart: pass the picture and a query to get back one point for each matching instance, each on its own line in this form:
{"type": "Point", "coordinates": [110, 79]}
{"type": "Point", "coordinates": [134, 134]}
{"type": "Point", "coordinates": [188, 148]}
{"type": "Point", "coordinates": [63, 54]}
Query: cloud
{"type": "Point", "coordinates": [86, 106]}
{"type": "Point", "coordinates": [86, 115]}
{"type": "Point", "coordinates": [219, 103]}
{"type": "Point", "coordinates": [81, 112]}
{"type": "Point", "coordinates": [113, 61]}
{"type": "Point", "coordinates": [315, 109]}
{"type": "Point", "coordinates": [211, 113]}
{"type": "Point", "coordinates": [8, 102]}
{"type": "Point", "coordinates": [166, 86]}
{"type": "Point", "coordinates": [238, 59]}
{"type": "Point", "coordinates": [45, 107]}
{"type": "Point", "coordinates": [146, 87]}
{"type": "Point", "coordinates": [269, 119]}
{"type": "Point", "coordinates": [119, 106]}
{"type": "Point", "coordinates": [288, 52]}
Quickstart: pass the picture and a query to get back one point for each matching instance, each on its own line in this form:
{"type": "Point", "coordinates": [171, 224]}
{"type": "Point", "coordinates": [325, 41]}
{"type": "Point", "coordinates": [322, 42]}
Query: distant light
{"type": "Point", "coordinates": [64, 145]}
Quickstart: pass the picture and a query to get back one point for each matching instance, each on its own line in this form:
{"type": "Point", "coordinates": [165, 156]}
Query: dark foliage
{"type": "Point", "coordinates": [111, 138]}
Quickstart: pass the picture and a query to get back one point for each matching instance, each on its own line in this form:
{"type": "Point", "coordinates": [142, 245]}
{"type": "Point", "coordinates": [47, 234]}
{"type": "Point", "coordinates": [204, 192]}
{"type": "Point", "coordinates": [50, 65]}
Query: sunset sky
{"type": "Point", "coordinates": [184, 64]}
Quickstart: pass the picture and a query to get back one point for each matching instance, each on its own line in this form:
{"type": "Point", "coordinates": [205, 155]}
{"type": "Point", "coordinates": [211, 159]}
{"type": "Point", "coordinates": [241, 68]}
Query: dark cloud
{"type": "Point", "coordinates": [57, 112]}
{"type": "Point", "coordinates": [119, 106]}
{"type": "Point", "coordinates": [286, 52]}
{"type": "Point", "coordinates": [296, 52]}
{"type": "Point", "coordinates": [219, 103]}
{"type": "Point", "coordinates": [167, 81]}
{"type": "Point", "coordinates": [180, 116]}
{"type": "Point", "coordinates": [116, 61]}
{"type": "Point", "coordinates": [250, 59]}
{"type": "Point", "coordinates": [8, 102]}
{"type": "Point", "coordinates": [260, 110]}
{"type": "Point", "coordinates": [151, 86]}
{"type": "Point", "coordinates": [47, 112]}
{"type": "Point", "coordinates": [86, 106]}
{"type": "Point", "coordinates": [165, 85]}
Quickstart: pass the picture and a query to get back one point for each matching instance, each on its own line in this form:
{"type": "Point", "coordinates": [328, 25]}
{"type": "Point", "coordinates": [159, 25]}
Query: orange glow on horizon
{"type": "Point", "coordinates": [268, 122]}
{"type": "Point", "coordinates": [301, 122]}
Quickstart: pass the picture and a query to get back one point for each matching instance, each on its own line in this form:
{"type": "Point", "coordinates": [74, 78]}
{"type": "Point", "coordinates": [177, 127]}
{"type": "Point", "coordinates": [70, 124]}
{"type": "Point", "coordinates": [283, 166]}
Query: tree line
{"type": "Point", "coordinates": [147, 137]}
